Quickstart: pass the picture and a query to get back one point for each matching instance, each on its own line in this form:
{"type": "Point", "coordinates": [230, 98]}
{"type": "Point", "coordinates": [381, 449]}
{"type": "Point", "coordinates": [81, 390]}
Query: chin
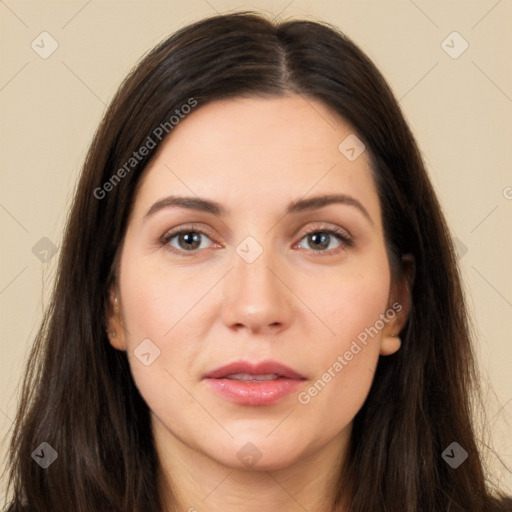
{"type": "Point", "coordinates": [259, 454]}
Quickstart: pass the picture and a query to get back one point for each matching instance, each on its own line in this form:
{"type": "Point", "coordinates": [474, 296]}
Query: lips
{"type": "Point", "coordinates": [263, 368]}
{"type": "Point", "coordinates": [254, 384]}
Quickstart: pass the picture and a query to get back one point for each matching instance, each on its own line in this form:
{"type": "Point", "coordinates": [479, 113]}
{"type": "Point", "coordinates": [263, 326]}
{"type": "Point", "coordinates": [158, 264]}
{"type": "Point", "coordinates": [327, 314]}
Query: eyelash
{"type": "Point", "coordinates": [344, 238]}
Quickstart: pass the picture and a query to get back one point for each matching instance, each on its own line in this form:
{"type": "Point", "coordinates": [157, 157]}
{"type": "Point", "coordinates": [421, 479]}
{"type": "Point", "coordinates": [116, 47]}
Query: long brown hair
{"type": "Point", "coordinates": [78, 393]}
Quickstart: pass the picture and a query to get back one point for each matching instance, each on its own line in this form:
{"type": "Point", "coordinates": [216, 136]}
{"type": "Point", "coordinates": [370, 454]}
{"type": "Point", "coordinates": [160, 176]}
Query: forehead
{"type": "Point", "coordinates": [295, 123]}
{"type": "Point", "coordinates": [256, 152]}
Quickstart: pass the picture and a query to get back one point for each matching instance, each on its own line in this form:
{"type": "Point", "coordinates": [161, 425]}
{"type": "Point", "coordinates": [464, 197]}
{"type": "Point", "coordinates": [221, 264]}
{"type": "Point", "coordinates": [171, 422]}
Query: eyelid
{"type": "Point", "coordinates": [326, 227]}
{"type": "Point", "coordinates": [186, 227]}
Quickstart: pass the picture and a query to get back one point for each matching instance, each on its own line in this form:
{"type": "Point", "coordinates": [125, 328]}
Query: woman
{"type": "Point", "coordinates": [258, 306]}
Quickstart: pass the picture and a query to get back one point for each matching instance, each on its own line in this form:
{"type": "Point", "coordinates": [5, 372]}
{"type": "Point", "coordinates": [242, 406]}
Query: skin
{"type": "Point", "coordinates": [296, 304]}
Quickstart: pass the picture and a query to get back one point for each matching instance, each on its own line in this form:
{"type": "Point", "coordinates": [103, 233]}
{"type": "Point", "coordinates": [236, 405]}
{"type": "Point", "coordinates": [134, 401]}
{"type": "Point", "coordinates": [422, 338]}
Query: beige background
{"type": "Point", "coordinates": [459, 109]}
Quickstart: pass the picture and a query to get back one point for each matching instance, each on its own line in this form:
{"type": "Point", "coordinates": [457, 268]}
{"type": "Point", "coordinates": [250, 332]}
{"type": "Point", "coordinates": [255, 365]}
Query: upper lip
{"type": "Point", "coordinates": [262, 368]}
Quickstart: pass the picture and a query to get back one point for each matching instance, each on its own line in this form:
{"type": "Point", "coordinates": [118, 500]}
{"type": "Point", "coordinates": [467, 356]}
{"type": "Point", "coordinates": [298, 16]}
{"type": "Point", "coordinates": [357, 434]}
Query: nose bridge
{"type": "Point", "coordinates": [254, 296]}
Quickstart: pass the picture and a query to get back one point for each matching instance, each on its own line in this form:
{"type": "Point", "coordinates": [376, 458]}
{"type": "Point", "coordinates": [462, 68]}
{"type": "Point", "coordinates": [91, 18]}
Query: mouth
{"type": "Point", "coordinates": [247, 377]}
{"type": "Point", "coordinates": [254, 384]}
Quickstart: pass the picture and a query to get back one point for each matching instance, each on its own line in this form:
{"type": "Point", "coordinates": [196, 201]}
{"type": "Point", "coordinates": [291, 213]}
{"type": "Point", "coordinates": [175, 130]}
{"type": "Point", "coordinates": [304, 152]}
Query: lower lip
{"type": "Point", "coordinates": [252, 392]}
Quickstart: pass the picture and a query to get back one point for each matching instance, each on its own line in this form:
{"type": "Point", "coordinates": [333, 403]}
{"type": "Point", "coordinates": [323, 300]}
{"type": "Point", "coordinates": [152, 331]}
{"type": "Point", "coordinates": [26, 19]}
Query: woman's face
{"type": "Point", "coordinates": [270, 276]}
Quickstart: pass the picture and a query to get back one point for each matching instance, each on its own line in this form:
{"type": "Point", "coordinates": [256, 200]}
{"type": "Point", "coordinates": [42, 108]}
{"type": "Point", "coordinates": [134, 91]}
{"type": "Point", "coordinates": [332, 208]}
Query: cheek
{"type": "Point", "coordinates": [157, 299]}
{"type": "Point", "coordinates": [344, 365]}
{"type": "Point", "coordinates": [159, 345]}
{"type": "Point", "coordinates": [152, 309]}
{"type": "Point", "coordinates": [352, 302]}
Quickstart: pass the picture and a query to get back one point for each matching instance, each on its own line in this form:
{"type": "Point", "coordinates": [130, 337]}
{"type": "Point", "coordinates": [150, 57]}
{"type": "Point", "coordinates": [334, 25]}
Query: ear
{"type": "Point", "coordinates": [115, 326]}
{"type": "Point", "coordinates": [399, 307]}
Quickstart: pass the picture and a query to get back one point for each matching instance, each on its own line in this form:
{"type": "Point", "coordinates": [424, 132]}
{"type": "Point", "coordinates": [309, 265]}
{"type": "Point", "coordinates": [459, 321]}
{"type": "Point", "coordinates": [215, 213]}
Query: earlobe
{"type": "Point", "coordinates": [389, 345]}
{"type": "Point", "coordinates": [115, 331]}
{"type": "Point", "coordinates": [111, 333]}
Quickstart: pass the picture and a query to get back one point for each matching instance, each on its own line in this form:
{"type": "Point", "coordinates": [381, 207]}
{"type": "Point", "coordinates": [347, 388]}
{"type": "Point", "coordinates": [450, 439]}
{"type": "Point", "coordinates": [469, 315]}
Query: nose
{"type": "Point", "coordinates": [257, 295]}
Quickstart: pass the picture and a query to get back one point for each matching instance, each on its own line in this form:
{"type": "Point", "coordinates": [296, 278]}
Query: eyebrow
{"type": "Point", "coordinates": [215, 208]}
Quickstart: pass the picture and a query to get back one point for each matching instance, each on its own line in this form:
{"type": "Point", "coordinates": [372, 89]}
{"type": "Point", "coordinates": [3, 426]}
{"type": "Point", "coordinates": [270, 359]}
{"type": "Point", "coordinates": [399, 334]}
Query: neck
{"type": "Point", "coordinates": [192, 481]}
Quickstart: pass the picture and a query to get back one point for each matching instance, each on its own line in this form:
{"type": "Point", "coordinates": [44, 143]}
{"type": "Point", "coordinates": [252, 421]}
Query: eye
{"type": "Point", "coordinates": [189, 239]}
{"type": "Point", "coordinates": [186, 240]}
{"type": "Point", "coordinates": [320, 240]}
